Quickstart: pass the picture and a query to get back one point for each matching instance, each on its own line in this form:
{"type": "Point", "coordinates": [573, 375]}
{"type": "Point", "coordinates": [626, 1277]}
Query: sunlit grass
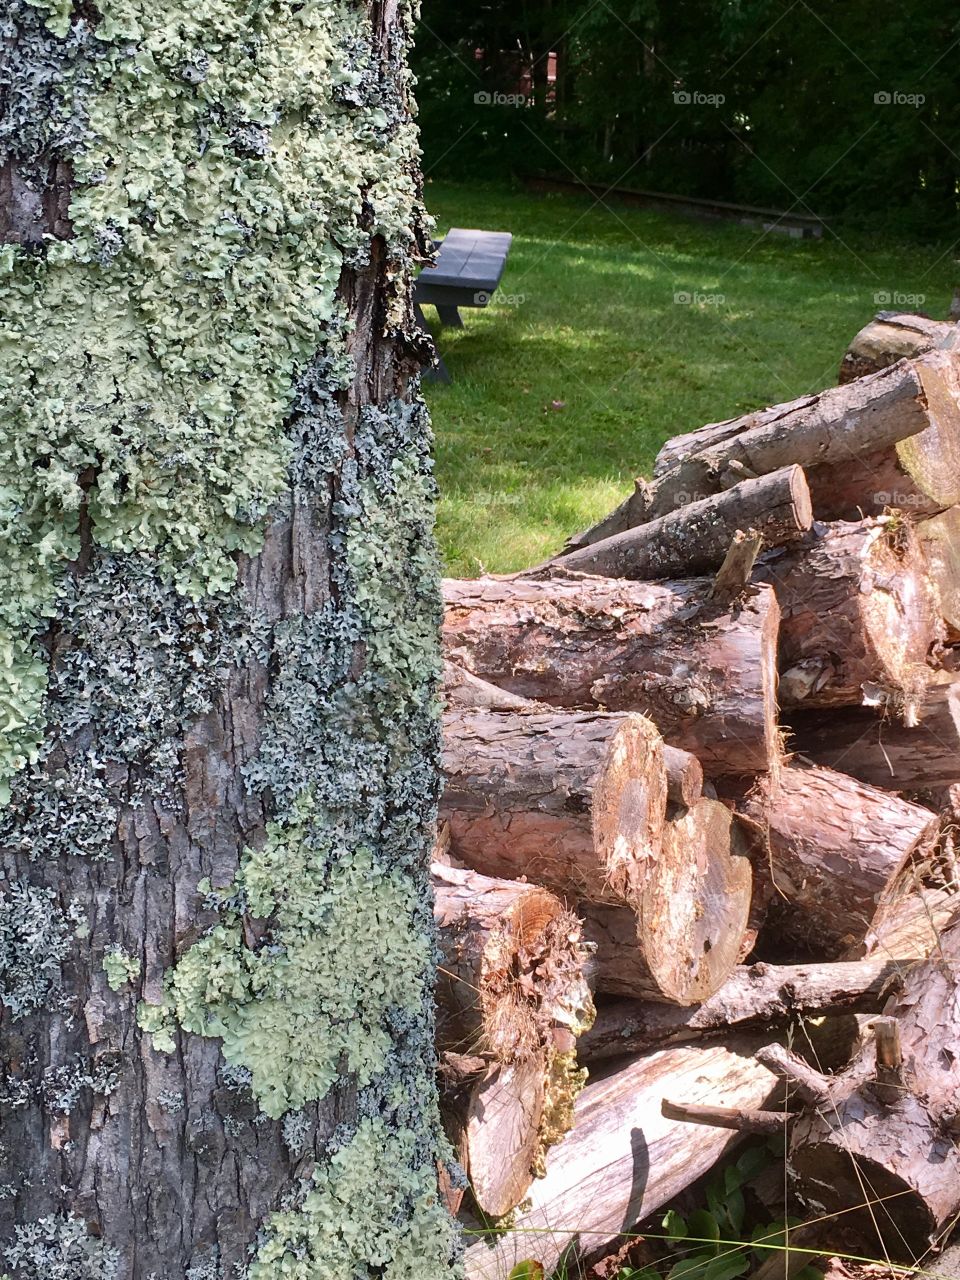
{"type": "Point", "coordinates": [565, 387]}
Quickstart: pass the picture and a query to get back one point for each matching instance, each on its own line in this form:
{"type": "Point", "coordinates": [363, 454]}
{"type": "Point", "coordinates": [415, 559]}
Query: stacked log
{"type": "Point", "coordinates": [707, 760]}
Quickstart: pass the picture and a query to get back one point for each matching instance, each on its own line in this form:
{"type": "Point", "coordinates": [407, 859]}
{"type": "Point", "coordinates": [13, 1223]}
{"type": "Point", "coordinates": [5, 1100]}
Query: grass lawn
{"type": "Point", "coordinates": [566, 385]}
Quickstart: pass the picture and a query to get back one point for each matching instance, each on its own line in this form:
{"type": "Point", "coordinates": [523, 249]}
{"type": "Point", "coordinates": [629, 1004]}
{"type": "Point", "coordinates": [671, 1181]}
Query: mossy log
{"type": "Point", "coordinates": [859, 614]}
{"type": "Point", "coordinates": [753, 997]}
{"type": "Point", "coordinates": [886, 1130]}
{"type": "Point", "coordinates": [572, 800]}
{"type": "Point", "coordinates": [704, 672]}
{"type": "Point", "coordinates": [834, 429]}
{"type": "Point", "coordinates": [623, 1159]}
{"type": "Point", "coordinates": [892, 336]}
{"type": "Point", "coordinates": [836, 846]}
{"type": "Point", "coordinates": [882, 751]}
{"type": "Point", "coordinates": [684, 940]}
{"type": "Point", "coordinates": [512, 975]}
{"type": "Point", "coordinates": [692, 534]}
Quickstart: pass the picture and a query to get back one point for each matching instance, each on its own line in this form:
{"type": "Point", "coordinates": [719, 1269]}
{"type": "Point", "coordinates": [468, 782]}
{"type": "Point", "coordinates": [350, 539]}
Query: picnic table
{"type": "Point", "coordinates": [466, 274]}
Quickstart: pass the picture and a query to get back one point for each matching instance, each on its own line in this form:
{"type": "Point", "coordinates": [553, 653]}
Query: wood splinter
{"type": "Point", "coordinates": [888, 1086]}
{"type": "Point", "coordinates": [735, 572]}
{"type": "Point", "coordinates": [739, 1118]}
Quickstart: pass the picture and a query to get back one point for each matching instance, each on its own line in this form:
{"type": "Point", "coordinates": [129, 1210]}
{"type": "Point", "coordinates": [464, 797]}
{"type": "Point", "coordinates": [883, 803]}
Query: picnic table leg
{"type": "Point", "coordinates": [438, 371]}
{"type": "Point", "coordinates": [449, 315]}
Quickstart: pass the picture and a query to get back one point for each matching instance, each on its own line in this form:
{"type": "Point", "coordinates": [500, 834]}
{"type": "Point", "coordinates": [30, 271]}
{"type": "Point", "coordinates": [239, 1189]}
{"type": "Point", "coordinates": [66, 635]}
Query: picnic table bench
{"type": "Point", "coordinates": [466, 274]}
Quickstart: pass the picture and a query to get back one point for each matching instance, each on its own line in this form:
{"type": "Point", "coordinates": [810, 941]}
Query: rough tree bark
{"type": "Point", "coordinates": [218, 601]}
{"type": "Point", "coordinates": [704, 671]}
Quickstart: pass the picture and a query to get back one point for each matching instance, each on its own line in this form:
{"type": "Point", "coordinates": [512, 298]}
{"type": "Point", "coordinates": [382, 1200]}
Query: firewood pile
{"type": "Point", "coordinates": [703, 797]}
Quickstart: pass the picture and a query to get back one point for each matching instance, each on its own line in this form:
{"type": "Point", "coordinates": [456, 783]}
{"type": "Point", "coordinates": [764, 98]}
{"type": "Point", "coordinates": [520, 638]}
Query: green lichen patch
{"type": "Point", "coordinates": [35, 937]}
{"type": "Point", "coordinates": [312, 998]}
{"type": "Point", "coordinates": [156, 1021]}
{"type": "Point", "coordinates": [147, 363]}
{"type": "Point", "coordinates": [371, 1207]}
{"type": "Point", "coordinates": [120, 968]}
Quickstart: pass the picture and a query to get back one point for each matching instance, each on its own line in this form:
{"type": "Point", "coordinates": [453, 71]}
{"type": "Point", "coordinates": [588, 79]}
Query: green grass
{"type": "Point", "coordinates": [586, 316]}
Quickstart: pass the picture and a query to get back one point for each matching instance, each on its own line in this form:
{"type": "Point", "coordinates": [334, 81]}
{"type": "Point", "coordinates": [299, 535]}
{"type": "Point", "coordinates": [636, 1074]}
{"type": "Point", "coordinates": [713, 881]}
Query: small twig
{"type": "Point", "coordinates": [734, 574]}
{"type": "Point", "coordinates": [811, 1086]}
{"type": "Point", "coordinates": [727, 1117]}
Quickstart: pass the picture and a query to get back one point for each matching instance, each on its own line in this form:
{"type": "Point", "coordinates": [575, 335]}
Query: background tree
{"type": "Point", "coordinates": [218, 607]}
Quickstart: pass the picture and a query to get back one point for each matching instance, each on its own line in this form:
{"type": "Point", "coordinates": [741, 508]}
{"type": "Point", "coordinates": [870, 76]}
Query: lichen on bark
{"type": "Point", "coordinates": [218, 613]}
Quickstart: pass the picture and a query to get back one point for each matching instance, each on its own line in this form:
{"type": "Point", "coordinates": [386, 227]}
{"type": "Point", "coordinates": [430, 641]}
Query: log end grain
{"type": "Point", "coordinates": [932, 457]}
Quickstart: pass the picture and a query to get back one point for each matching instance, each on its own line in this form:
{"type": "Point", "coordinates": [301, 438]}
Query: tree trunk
{"type": "Point", "coordinates": [892, 1138]}
{"type": "Point", "coordinates": [623, 1159]}
{"type": "Point", "coordinates": [859, 615]}
{"type": "Point", "coordinates": [218, 746]}
{"type": "Point", "coordinates": [753, 997]}
{"type": "Point", "coordinates": [704, 672]}
{"type": "Point", "coordinates": [836, 846]}
{"type": "Point", "coordinates": [575, 801]}
{"type": "Point", "coordinates": [892, 336]}
{"type": "Point", "coordinates": [685, 939]}
{"type": "Point", "coordinates": [511, 981]}
{"type": "Point", "coordinates": [883, 752]}
{"type": "Point", "coordinates": [692, 531]}
{"type": "Point", "coordinates": [940, 539]}
{"type": "Point", "coordinates": [890, 439]}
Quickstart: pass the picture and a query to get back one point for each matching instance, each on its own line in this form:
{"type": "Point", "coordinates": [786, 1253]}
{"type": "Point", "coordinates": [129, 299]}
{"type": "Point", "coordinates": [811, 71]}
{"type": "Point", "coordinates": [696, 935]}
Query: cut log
{"type": "Point", "coordinates": [623, 1159]}
{"type": "Point", "coordinates": [915, 399]}
{"type": "Point", "coordinates": [705, 673]}
{"type": "Point", "coordinates": [501, 1135]}
{"type": "Point", "coordinates": [889, 439]}
{"type": "Point", "coordinates": [692, 534]}
{"type": "Point", "coordinates": [836, 847]}
{"type": "Point", "coordinates": [891, 336]}
{"type": "Point", "coordinates": [883, 752]}
{"type": "Point", "coordinates": [940, 540]}
{"type": "Point", "coordinates": [891, 1140]}
{"type": "Point", "coordinates": [859, 614]}
{"type": "Point", "coordinates": [685, 939]}
{"type": "Point", "coordinates": [753, 997]}
{"type": "Point", "coordinates": [684, 777]}
{"type": "Point", "coordinates": [512, 969]}
{"type": "Point", "coordinates": [911, 922]}
{"type": "Point", "coordinates": [573, 800]}
{"type": "Point", "coordinates": [462, 689]}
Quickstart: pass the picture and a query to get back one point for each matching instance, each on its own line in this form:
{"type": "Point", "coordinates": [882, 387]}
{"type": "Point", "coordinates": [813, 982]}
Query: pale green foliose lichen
{"type": "Point", "coordinates": [34, 940]}
{"type": "Point", "coordinates": [60, 1248]}
{"type": "Point", "coordinates": [373, 1178]}
{"type": "Point", "coordinates": [146, 364]}
{"type": "Point", "coordinates": [120, 968]}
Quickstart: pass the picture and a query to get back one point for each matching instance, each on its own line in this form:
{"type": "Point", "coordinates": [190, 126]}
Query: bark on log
{"type": "Point", "coordinates": [705, 673]}
{"type": "Point", "coordinates": [463, 690]}
{"type": "Point", "coordinates": [836, 846]}
{"type": "Point", "coordinates": [893, 336]}
{"type": "Point", "coordinates": [623, 1159]}
{"type": "Point", "coordinates": [574, 800]}
{"type": "Point", "coordinates": [859, 614]}
{"type": "Point", "coordinates": [892, 1139]}
{"type": "Point", "coordinates": [883, 752]}
{"type": "Point", "coordinates": [753, 997]}
{"type": "Point", "coordinates": [940, 540]}
{"type": "Point", "coordinates": [512, 976]}
{"type": "Point", "coordinates": [684, 777]}
{"type": "Point", "coordinates": [692, 533]}
{"type": "Point", "coordinates": [911, 399]}
{"type": "Point", "coordinates": [890, 439]}
{"type": "Point", "coordinates": [684, 941]}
